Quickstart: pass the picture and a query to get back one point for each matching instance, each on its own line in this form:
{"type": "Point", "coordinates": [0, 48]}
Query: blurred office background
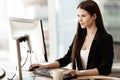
{"type": "Point", "coordinates": [59, 23]}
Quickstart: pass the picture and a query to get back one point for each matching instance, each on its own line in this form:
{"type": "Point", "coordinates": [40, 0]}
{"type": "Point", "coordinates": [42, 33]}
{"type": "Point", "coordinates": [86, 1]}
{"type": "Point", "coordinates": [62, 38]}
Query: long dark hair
{"type": "Point", "coordinates": [92, 8]}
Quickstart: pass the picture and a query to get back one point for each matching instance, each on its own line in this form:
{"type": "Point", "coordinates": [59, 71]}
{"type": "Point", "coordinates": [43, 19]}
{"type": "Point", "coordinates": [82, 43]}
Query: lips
{"type": "Point", "coordinates": [81, 23]}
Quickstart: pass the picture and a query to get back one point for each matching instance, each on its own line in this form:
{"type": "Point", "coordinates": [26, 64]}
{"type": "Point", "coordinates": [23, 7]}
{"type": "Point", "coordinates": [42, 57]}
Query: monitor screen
{"type": "Point", "coordinates": [32, 28]}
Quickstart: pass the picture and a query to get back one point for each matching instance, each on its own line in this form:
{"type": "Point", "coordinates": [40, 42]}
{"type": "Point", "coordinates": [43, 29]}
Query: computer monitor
{"type": "Point", "coordinates": [31, 28]}
{"type": "Point", "coordinates": [32, 31]}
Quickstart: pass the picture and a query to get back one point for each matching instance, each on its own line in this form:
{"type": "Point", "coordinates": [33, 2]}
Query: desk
{"type": "Point", "coordinates": [27, 75]}
{"type": "Point", "coordinates": [97, 78]}
{"type": "Point", "coordinates": [10, 71]}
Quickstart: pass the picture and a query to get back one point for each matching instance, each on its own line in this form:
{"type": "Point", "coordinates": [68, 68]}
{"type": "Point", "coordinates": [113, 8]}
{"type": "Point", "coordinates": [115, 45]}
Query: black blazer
{"type": "Point", "coordinates": [100, 56]}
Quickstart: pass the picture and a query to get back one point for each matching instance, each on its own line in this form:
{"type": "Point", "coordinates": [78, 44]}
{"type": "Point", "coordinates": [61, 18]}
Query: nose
{"type": "Point", "coordinates": [79, 19]}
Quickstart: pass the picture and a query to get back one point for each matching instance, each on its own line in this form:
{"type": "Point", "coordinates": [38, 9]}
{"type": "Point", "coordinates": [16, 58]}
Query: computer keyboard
{"type": "Point", "coordinates": [46, 72]}
{"type": "Point", "coordinates": [43, 72]}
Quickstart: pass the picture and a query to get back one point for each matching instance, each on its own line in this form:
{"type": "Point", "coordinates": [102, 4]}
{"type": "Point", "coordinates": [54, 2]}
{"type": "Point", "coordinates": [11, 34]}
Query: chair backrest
{"type": "Point", "coordinates": [116, 52]}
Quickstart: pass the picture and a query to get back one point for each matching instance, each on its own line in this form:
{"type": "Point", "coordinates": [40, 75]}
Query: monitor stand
{"type": "Point", "coordinates": [18, 40]}
{"type": "Point", "coordinates": [2, 73]}
{"type": "Point", "coordinates": [19, 71]}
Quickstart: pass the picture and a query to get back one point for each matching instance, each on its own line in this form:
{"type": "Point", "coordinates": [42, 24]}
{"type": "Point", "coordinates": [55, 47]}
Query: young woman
{"type": "Point", "coordinates": [91, 52]}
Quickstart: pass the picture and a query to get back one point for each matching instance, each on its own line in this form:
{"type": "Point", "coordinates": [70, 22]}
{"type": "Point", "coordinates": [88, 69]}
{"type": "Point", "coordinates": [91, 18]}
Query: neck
{"type": "Point", "coordinates": [91, 31]}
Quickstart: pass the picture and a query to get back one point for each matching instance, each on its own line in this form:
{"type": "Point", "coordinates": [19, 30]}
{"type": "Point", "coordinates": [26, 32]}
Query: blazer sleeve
{"type": "Point", "coordinates": [107, 56]}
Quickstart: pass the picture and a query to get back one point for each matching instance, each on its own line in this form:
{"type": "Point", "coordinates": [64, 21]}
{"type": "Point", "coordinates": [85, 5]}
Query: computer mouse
{"type": "Point", "coordinates": [69, 76]}
{"type": "Point", "coordinates": [33, 68]}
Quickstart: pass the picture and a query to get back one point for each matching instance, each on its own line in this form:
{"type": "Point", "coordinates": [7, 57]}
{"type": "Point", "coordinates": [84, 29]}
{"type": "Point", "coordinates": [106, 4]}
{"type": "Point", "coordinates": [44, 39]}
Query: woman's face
{"type": "Point", "coordinates": [85, 19]}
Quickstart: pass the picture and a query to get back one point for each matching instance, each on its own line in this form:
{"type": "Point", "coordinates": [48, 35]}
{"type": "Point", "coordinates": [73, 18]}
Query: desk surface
{"type": "Point", "coordinates": [30, 76]}
{"type": "Point", "coordinates": [27, 75]}
{"type": "Point", "coordinates": [97, 78]}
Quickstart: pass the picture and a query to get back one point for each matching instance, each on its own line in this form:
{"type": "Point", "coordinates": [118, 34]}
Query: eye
{"type": "Point", "coordinates": [83, 15]}
{"type": "Point", "coordinates": [78, 15]}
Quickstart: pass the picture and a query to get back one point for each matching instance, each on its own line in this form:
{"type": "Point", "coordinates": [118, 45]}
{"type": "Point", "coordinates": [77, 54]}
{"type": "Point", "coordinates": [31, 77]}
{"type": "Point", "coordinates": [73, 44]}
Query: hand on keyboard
{"type": "Point", "coordinates": [68, 76]}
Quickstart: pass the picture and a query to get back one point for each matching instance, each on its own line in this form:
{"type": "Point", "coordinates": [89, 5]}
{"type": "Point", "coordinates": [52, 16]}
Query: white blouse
{"type": "Point", "coordinates": [84, 57]}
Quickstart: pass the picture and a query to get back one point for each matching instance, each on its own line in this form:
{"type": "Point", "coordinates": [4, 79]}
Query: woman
{"type": "Point", "coordinates": [91, 52]}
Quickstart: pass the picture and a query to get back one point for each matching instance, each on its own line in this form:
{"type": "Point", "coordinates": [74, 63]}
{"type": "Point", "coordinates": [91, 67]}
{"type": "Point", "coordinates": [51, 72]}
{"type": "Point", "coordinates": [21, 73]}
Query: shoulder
{"type": "Point", "coordinates": [103, 36]}
{"type": "Point", "coordinates": [107, 36]}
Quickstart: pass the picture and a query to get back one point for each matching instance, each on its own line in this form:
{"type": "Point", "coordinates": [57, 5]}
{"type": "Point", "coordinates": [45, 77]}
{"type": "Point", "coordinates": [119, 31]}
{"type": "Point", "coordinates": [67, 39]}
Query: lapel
{"type": "Point", "coordinates": [91, 53]}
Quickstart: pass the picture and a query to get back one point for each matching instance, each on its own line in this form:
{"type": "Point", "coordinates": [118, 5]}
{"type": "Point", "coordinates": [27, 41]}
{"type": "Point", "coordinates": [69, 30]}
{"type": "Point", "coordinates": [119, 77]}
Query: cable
{"type": "Point", "coordinates": [34, 75]}
{"type": "Point", "coordinates": [3, 73]}
{"type": "Point", "coordinates": [25, 60]}
{"type": "Point", "coordinates": [21, 66]}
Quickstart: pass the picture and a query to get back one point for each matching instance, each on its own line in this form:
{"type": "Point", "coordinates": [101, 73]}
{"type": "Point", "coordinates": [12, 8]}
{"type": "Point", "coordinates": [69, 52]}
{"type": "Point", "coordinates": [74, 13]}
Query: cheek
{"type": "Point", "coordinates": [89, 22]}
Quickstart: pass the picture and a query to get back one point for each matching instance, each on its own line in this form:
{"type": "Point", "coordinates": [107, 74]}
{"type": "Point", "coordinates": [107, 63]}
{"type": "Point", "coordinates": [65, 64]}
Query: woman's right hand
{"type": "Point", "coordinates": [55, 64]}
{"type": "Point", "coordinates": [37, 66]}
